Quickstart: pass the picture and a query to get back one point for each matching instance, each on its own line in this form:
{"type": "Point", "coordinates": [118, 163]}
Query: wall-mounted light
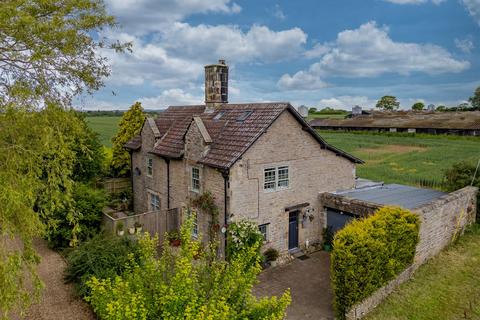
{"type": "Point", "coordinates": [137, 171]}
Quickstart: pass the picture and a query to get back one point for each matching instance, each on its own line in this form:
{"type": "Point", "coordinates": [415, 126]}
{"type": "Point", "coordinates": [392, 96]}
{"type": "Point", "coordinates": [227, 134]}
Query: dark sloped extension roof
{"type": "Point", "coordinates": [231, 136]}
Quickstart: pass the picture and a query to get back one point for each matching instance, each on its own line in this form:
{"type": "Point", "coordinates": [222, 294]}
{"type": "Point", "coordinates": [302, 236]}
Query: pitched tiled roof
{"type": "Point", "coordinates": [135, 143]}
{"type": "Point", "coordinates": [235, 137]}
{"type": "Point", "coordinates": [232, 127]}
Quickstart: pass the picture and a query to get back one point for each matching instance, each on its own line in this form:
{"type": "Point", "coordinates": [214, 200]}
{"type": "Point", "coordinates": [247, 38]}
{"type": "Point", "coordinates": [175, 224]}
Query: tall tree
{"type": "Point", "coordinates": [48, 53]}
{"type": "Point", "coordinates": [475, 100]}
{"type": "Point", "coordinates": [388, 103]}
{"type": "Point", "coordinates": [418, 106]}
{"type": "Point", "coordinates": [40, 152]}
{"type": "Point", "coordinates": [130, 126]}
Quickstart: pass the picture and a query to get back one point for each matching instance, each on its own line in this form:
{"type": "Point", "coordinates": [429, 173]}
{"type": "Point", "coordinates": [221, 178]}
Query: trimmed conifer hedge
{"type": "Point", "coordinates": [370, 252]}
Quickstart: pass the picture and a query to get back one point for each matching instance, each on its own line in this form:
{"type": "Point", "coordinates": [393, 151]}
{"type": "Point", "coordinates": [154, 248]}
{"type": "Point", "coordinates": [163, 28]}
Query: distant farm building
{"type": "Point", "coordinates": [459, 123]}
{"type": "Point", "coordinates": [303, 110]}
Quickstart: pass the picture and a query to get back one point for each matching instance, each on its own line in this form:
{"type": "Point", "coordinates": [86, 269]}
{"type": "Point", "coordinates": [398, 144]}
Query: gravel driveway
{"type": "Point", "coordinates": [58, 301]}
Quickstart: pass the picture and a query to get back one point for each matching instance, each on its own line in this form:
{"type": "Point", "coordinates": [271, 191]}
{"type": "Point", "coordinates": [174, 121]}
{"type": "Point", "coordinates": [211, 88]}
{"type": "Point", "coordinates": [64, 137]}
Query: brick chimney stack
{"type": "Point", "coordinates": [216, 85]}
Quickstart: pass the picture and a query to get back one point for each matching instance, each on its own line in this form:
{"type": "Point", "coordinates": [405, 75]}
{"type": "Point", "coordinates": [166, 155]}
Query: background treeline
{"type": "Point", "coordinates": [114, 113]}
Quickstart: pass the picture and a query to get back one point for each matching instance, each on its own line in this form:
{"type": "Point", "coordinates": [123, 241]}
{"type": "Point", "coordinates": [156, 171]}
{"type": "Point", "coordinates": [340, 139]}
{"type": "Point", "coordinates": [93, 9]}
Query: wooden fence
{"type": "Point", "coordinates": [153, 222]}
{"type": "Point", "coordinates": [116, 185]}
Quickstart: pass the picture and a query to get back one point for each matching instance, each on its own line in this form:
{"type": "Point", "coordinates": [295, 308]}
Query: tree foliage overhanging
{"type": "Point", "coordinates": [48, 54]}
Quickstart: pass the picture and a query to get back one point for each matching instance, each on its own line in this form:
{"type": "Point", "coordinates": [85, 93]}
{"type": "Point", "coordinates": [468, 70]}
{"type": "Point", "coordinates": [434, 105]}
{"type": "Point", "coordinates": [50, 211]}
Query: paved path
{"type": "Point", "coordinates": [309, 283]}
{"type": "Point", "coordinates": [58, 301]}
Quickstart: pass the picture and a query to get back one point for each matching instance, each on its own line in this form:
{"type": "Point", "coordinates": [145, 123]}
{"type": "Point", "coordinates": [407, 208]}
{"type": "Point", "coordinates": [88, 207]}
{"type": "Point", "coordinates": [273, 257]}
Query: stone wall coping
{"type": "Point", "coordinates": [327, 196]}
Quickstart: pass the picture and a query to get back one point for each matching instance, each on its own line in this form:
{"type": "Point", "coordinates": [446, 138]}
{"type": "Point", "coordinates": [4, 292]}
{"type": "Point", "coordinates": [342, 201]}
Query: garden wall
{"type": "Point", "coordinates": [442, 220]}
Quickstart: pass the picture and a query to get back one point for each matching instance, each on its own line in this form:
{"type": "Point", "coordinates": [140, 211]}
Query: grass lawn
{"type": "Point", "coordinates": [106, 127]}
{"type": "Point", "coordinates": [447, 287]}
{"type": "Point", "coordinates": [405, 159]}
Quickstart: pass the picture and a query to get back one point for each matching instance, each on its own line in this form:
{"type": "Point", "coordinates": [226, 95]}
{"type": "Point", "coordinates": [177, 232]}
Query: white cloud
{"type": "Point", "coordinates": [302, 80]}
{"type": "Point", "coordinates": [466, 45]}
{"type": "Point", "coordinates": [259, 43]}
{"type": "Point", "coordinates": [369, 52]}
{"type": "Point", "coordinates": [150, 62]}
{"type": "Point", "coordinates": [347, 102]}
{"type": "Point", "coordinates": [141, 16]}
{"type": "Point", "coordinates": [317, 51]}
{"type": "Point", "coordinates": [415, 1]}
{"type": "Point", "coordinates": [175, 57]}
{"type": "Point", "coordinates": [473, 7]}
{"type": "Point", "coordinates": [170, 97]}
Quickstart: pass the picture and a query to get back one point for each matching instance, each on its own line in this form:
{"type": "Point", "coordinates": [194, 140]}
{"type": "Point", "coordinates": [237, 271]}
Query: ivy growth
{"type": "Point", "coordinates": [206, 204]}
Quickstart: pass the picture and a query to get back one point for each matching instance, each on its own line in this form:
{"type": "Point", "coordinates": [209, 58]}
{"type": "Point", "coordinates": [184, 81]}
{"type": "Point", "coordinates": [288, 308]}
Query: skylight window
{"type": "Point", "coordinates": [244, 115]}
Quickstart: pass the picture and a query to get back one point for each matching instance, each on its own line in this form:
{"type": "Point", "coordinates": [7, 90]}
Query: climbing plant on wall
{"type": "Point", "coordinates": [206, 204]}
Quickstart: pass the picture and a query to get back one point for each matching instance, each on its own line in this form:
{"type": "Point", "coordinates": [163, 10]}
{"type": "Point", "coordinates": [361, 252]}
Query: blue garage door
{"type": "Point", "coordinates": [337, 219]}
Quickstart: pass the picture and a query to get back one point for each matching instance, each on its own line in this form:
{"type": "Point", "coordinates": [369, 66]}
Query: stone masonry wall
{"type": "Point", "coordinates": [354, 206]}
{"type": "Point", "coordinates": [139, 161]}
{"type": "Point", "coordinates": [211, 179]}
{"type": "Point", "coordinates": [442, 220]}
{"type": "Point", "coordinates": [311, 170]}
{"type": "Point", "coordinates": [157, 183]}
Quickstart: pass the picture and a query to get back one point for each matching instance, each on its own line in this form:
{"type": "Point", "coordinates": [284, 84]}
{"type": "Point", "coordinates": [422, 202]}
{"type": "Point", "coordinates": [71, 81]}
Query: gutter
{"type": "Point", "coordinates": [225, 175]}
{"type": "Point", "coordinates": [168, 182]}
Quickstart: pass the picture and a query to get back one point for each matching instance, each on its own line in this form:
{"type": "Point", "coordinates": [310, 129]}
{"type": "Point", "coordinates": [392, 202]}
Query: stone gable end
{"type": "Point", "coordinates": [311, 170]}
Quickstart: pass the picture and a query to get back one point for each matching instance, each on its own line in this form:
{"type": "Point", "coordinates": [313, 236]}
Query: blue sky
{"type": "Point", "coordinates": [320, 53]}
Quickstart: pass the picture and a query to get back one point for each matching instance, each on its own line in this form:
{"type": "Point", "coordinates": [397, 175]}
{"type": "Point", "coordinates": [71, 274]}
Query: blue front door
{"type": "Point", "coordinates": [293, 230]}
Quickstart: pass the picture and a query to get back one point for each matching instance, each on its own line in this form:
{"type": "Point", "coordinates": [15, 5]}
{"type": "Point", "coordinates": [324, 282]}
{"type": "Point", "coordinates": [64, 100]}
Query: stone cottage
{"type": "Point", "coordinates": [260, 161]}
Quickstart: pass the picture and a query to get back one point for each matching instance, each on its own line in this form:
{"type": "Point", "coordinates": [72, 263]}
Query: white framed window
{"type": "Point", "coordinates": [195, 179]}
{"type": "Point", "coordinates": [276, 178]}
{"type": "Point", "coordinates": [154, 202]}
{"type": "Point", "coordinates": [149, 167]}
{"type": "Point", "coordinates": [263, 228]}
{"type": "Point", "coordinates": [282, 181]}
{"type": "Point", "coordinates": [270, 175]}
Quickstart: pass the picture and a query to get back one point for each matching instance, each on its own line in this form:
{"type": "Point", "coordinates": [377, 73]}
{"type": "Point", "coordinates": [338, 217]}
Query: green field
{"type": "Point", "coordinates": [447, 287]}
{"type": "Point", "coordinates": [106, 127]}
{"type": "Point", "coordinates": [414, 160]}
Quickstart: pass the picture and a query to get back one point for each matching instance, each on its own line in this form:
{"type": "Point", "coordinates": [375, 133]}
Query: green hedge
{"type": "Point", "coordinates": [370, 252]}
